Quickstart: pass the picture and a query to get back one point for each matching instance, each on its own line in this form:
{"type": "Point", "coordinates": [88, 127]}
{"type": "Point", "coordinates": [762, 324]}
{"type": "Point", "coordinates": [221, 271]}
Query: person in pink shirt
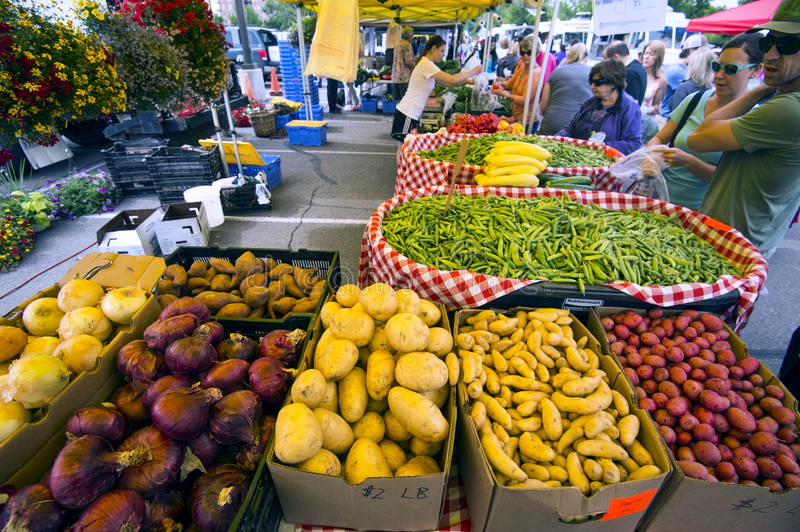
{"type": "Point", "coordinates": [551, 62]}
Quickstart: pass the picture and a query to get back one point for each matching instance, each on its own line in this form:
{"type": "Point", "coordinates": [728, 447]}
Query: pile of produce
{"type": "Point", "coordinates": [485, 123]}
{"type": "Point", "coordinates": [177, 443]}
{"type": "Point", "coordinates": [544, 410]}
{"type": "Point", "coordinates": [374, 394]}
{"type": "Point", "coordinates": [553, 239]}
{"type": "Point", "coordinates": [721, 420]}
{"type": "Point", "coordinates": [563, 154]}
{"type": "Point", "coordinates": [514, 164]}
{"type": "Point", "coordinates": [57, 339]}
{"type": "Point", "coordinates": [248, 288]}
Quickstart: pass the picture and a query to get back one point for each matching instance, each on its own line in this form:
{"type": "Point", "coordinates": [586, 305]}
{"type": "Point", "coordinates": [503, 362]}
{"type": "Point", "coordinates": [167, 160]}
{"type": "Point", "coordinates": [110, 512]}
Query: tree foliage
{"type": "Point", "coordinates": [252, 17]}
{"type": "Point", "coordinates": [693, 8]}
{"type": "Point", "coordinates": [280, 15]}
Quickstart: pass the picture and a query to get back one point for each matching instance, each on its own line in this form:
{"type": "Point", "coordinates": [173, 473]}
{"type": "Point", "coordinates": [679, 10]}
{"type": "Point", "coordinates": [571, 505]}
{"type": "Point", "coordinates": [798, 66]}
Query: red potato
{"type": "Point", "coordinates": [720, 345]}
{"type": "Point", "coordinates": [668, 342]}
{"type": "Point", "coordinates": [667, 434]}
{"type": "Point", "coordinates": [677, 375]}
{"type": "Point", "coordinates": [649, 339]}
{"type": "Point", "coordinates": [697, 374]}
{"type": "Point", "coordinates": [607, 323]}
{"type": "Point", "coordinates": [707, 355]}
{"type": "Point", "coordinates": [769, 468]}
{"type": "Point", "coordinates": [774, 391]}
{"type": "Point", "coordinates": [711, 322]}
{"type": "Point", "coordinates": [631, 320]}
{"type": "Point", "coordinates": [697, 362]}
{"type": "Point", "coordinates": [749, 365]}
{"type": "Point", "coordinates": [767, 424]}
{"type": "Point", "coordinates": [717, 385]}
{"type": "Point", "coordinates": [611, 337]}
{"type": "Point", "coordinates": [748, 398]}
{"type": "Point", "coordinates": [669, 389]}
{"type": "Point", "coordinates": [745, 467]}
{"type": "Point", "coordinates": [768, 404]}
{"type": "Point", "coordinates": [739, 435]}
{"type": "Point", "coordinates": [690, 333]}
{"type": "Point", "coordinates": [707, 453]}
{"type": "Point", "coordinates": [709, 337]}
{"type": "Point", "coordinates": [640, 392]}
{"type": "Point", "coordinates": [703, 344]}
{"type": "Point", "coordinates": [725, 470]}
{"type": "Point", "coordinates": [747, 385]}
{"type": "Point", "coordinates": [617, 348]}
{"type": "Point", "coordinates": [795, 447]}
{"type": "Point", "coordinates": [667, 326]}
{"type": "Point", "coordinates": [661, 375]}
{"type": "Point", "coordinates": [785, 450]}
{"type": "Point", "coordinates": [650, 387]}
{"type": "Point", "coordinates": [655, 361]}
{"type": "Point", "coordinates": [642, 327]}
{"type": "Point", "coordinates": [633, 340]}
{"type": "Point", "coordinates": [791, 480]}
{"type": "Point", "coordinates": [655, 313]}
{"type": "Point", "coordinates": [662, 417]}
{"type": "Point", "coordinates": [721, 424]}
{"type": "Point", "coordinates": [745, 452]}
{"type": "Point", "coordinates": [684, 366]}
{"type": "Point", "coordinates": [685, 453]}
{"type": "Point", "coordinates": [630, 350]}
{"type": "Point", "coordinates": [660, 332]}
{"type": "Point", "coordinates": [692, 389]}
{"type": "Point", "coordinates": [622, 361]}
{"type": "Point", "coordinates": [748, 482]}
{"type": "Point", "coordinates": [787, 464]}
{"type": "Point", "coordinates": [622, 332]}
{"type": "Point", "coordinates": [660, 399]}
{"type": "Point", "coordinates": [687, 422]}
{"type": "Point", "coordinates": [674, 354]}
{"type": "Point", "coordinates": [633, 359]}
{"type": "Point", "coordinates": [736, 400]}
{"type": "Point", "coordinates": [741, 419]}
{"type": "Point", "coordinates": [703, 414]}
{"type": "Point", "coordinates": [681, 322]}
{"type": "Point", "coordinates": [659, 350]}
{"type": "Point", "coordinates": [756, 379]}
{"type": "Point", "coordinates": [736, 384]}
{"type": "Point", "coordinates": [644, 371]}
{"type": "Point", "coordinates": [676, 406]}
{"type": "Point", "coordinates": [698, 326]}
{"type": "Point", "coordinates": [728, 358]}
{"type": "Point", "coordinates": [704, 432]}
{"type": "Point", "coordinates": [773, 485]}
{"type": "Point", "coordinates": [787, 434]}
{"type": "Point", "coordinates": [717, 371]}
{"type": "Point", "coordinates": [731, 443]}
{"type": "Point", "coordinates": [694, 469]}
{"type": "Point", "coordinates": [756, 411]}
{"type": "Point", "coordinates": [684, 438]}
{"type": "Point", "coordinates": [645, 351]}
{"type": "Point", "coordinates": [632, 376]}
{"type": "Point", "coordinates": [679, 340]}
{"type": "Point", "coordinates": [648, 404]}
{"type": "Point", "coordinates": [722, 334]}
{"type": "Point", "coordinates": [725, 452]}
{"type": "Point", "coordinates": [763, 443]}
{"type": "Point", "coordinates": [782, 415]}
{"type": "Point", "coordinates": [690, 349]}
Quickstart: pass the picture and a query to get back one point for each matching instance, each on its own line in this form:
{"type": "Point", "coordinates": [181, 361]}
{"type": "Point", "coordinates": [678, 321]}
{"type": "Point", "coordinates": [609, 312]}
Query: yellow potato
{"type": "Point", "coordinates": [439, 397]}
{"type": "Point", "coordinates": [575, 472]}
{"type": "Point", "coordinates": [354, 325]}
{"type": "Point", "coordinates": [628, 429]}
{"type": "Point", "coordinates": [309, 388]}
{"type": "Point", "coordinates": [353, 395]}
{"type": "Point", "coordinates": [380, 374]}
{"type": "Point", "coordinates": [338, 358]}
{"type": "Point", "coordinates": [365, 460]}
{"type": "Point", "coordinates": [379, 340]}
{"type": "Point", "coordinates": [641, 455]}
{"type": "Point", "coordinates": [378, 407]}
{"type": "Point", "coordinates": [418, 466]}
{"type": "Point", "coordinates": [370, 426]}
{"type": "Point", "coordinates": [421, 371]}
{"type": "Point", "coordinates": [330, 399]}
{"type": "Point", "coordinates": [408, 301]}
{"type": "Point", "coordinates": [347, 295]}
{"type": "Point", "coordinates": [646, 471]}
{"type": "Point", "coordinates": [418, 414]}
{"type": "Point", "coordinates": [440, 343]}
{"type": "Point", "coordinates": [298, 434]}
{"type": "Point", "coordinates": [394, 454]}
{"type": "Point", "coordinates": [421, 447]}
{"type": "Point", "coordinates": [327, 311]}
{"type": "Point", "coordinates": [325, 339]}
{"type": "Point", "coordinates": [429, 312]}
{"type": "Point", "coordinates": [324, 463]}
{"type": "Point", "coordinates": [379, 301]}
{"type": "Point", "coordinates": [499, 460]}
{"type": "Point", "coordinates": [407, 332]}
{"type": "Point", "coordinates": [395, 430]}
{"type": "Point", "coordinates": [337, 436]}
{"type": "Point", "coordinates": [601, 449]}
{"type": "Point", "coordinates": [551, 419]}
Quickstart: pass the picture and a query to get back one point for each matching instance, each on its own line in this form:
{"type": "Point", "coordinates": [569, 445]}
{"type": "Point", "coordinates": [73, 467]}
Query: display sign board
{"type": "Point", "coordinates": [624, 16]}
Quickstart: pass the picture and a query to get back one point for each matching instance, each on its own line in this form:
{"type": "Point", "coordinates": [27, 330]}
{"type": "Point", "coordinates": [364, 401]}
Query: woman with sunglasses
{"type": "Point", "coordinates": [515, 87]}
{"type": "Point", "coordinates": [610, 110]}
{"type": "Point", "coordinates": [689, 172]}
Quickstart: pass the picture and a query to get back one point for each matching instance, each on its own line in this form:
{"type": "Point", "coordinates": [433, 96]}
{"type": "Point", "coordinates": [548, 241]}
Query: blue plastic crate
{"type": "Point", "coordinates": [307, 133]}
{"type": "Point", "coordinates": [369, 105]}
{"type": "Point", "coordinates": [389, 106]}
{"type": "Point", "coordinates": [316, 113]}
{"type": "Point", "coordinates": [271, 167]}
{"type": "Point", "coordinates": [282, 120]}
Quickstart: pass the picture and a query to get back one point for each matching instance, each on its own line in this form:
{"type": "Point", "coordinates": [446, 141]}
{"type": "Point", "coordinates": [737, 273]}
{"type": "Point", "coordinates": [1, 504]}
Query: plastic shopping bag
{"type": "Point", "coordinates": [641, 173]}
{"type": "Point", "coordinates": [334, 49]}
{"type": "Point", "coordinates": [482, 98]}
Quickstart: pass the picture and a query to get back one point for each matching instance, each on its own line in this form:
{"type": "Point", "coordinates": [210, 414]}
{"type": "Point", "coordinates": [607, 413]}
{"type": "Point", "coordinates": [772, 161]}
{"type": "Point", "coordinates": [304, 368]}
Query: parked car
{"type": "Point", "coordinates": [263, 47]}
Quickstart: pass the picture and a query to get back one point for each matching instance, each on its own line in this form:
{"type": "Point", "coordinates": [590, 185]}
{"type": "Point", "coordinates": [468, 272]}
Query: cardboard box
{"type": "Point", "coordinates": [409, 503]}
{"type": "Point", "coordinates": [183, 224]}
{"type": "Point", "coordinates": [114, 271]}
{"type": "Point", "coordinates": [89, 387]}
{"type": "Point", "coordinates": [131, 232]}
{"type": "Point", "coordinates": [493, 507]}
{"type": "Point", "coordinates": [687, 503]}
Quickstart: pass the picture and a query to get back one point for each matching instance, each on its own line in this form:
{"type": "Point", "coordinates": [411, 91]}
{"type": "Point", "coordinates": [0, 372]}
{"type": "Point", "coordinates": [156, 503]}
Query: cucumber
{"type": "Point", "coordinates": [568, 186]}
{"type": "Point", "coordinates": [576, 180]}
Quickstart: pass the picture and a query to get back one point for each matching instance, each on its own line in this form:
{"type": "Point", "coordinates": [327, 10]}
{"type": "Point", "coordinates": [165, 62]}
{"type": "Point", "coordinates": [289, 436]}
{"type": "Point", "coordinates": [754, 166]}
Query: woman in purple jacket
{"type": "Point", "coordinates": [611, 110]}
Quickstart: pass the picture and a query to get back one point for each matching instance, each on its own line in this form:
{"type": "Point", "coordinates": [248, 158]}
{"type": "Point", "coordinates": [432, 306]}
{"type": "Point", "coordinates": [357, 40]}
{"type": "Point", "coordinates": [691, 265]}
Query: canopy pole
{"type": "Point", "coordinates": [217, 129]}
{"type": "Point", "coordinates": [486, 52]}
{"type": "Point", "coordinates": [233, 133]}
{"type": "Point", "coordinates": [540, 85]}
{"type": "Point", "coordinates": [534, 52]}
{"type": "Point", "coordinates": [303, 75]}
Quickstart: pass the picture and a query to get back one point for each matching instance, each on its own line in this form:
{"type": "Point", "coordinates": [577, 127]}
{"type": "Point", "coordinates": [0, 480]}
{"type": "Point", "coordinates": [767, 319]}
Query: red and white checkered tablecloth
{"type": "Point", "coordinates": [466, 289]}
{"type": "Point", "coordinates": [415, 172]}
{"type": "Point", "coordinates": [454, 518]}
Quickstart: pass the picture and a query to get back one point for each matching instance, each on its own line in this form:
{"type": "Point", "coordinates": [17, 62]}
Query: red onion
{"type": "Point", "coordinates": [162, 466]}
{"type": "Point", "coordinates": [186, 305]}
{"type": "Point", "coordinates": [86, 468]}
{"type": "Point", "coordinates": [163, 332]}
{"type": "Point", "coordinates": [121, 510]}
{"type": "Point", "coordinates": [163, 512]}
{"type": "Point", "coordinates": [190, 355]}
{"type": "Point", "coordinates": [129, 401]}
{"type": "Point", "coordinates": [270, 380]}
{"type": "Point", "coordinates": [228, 376]}
{"type": "Point", "coordinates": [140, 363]}
{"type": "Point", "coordinates": [205, 448]}
{"type": "Point", "coordinates": [182, 413]}
{"type": "Point", "coordinates": [33, 509]}
{"type": "Point", "coordinates": [249, 456]}
{"type": "Point", "coordinates": [236, 419]}
{"type": "Point", "coordinates": [163, 384]}
{"type": "Point", "coordinates": [211, 331]}
{"type": "Point", "coordinates": [238, 346]}
{"type": "Point", "coordinates": [216, 497]}
{"type": "Point", "coordinates": [282, 345]}
{"type": "Point", "coordinates": [104, 420]}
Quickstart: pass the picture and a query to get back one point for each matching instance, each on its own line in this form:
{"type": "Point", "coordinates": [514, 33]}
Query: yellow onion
{"type": "Point", "coordinates": [40, 345]}
{"type": "Point", "coordinates": [12, 416]}
{"type": "Point", "coordinates": [35, 381]}
{"type": "Point", "coordinates": [79, 353]}
{"type": "Point", "coordinates": [42, 316]}
{"type": "Point", "coordinates": [79, 293]}
{"type": "Point", "coordinates": [84, 320]}
{"type": "Point", "coordinates": [120, 304]}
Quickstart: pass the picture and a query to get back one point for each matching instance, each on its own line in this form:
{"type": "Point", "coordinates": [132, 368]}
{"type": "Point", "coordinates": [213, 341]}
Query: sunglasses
{"type": "Point", "coordinates": [730, 69]}
{"type": "Point", "coordinates": [524, 52]}
{"type": "Point", "coordinates": [786, 45]}
{"type": "Point", "coordinates": [600, 81]}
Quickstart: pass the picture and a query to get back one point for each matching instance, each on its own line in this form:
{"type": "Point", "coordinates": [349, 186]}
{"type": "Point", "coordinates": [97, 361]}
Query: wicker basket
{"type": "Point", "coordinates": [263, 124]}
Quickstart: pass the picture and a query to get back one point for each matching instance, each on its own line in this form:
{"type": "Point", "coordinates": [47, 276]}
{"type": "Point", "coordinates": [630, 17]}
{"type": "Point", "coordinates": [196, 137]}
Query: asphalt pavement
{"type": "Point", "coordinates": [325, 199]}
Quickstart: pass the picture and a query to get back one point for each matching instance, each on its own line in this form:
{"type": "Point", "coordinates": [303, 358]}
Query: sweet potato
{"type": "Point", "coordinates": [221, 282]}
{"type": "Point", "coordinates": [257, 279]}
{"type": "Point", "coordinates": [248, 264]}
{"type": "Point", "coordinates": [197, 269]}
{"type": "Point", "coordinates": [283, 305]}
{"type": "Point", "coordinates": [234, 310]}
{"type": "Point", "coordinates": [222, 266]}
{"type": "Point", "coordinates": [305, 304]}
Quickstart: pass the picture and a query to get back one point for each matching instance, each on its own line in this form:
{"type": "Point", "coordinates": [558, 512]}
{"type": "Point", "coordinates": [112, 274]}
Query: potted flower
{"type": "Point", "coordinates": [30, 206]}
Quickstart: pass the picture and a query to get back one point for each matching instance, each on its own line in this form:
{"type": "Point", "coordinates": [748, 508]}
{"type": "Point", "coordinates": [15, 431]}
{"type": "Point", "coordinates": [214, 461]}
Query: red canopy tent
{"type": "Point", "coordinates": [735, 20]}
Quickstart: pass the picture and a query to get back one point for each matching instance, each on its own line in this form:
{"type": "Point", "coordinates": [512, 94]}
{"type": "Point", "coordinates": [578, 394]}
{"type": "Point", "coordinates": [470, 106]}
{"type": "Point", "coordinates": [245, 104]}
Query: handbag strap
{"type": "Point", "coordinates": [689, 110]}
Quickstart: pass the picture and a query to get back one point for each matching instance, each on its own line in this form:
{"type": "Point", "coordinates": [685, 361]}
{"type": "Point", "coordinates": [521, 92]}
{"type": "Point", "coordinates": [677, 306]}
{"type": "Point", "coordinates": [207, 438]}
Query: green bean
{"type": "Point", "coordinates": [553, 239]}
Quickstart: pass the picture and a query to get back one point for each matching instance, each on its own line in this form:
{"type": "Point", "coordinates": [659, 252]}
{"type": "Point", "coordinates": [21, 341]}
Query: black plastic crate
{"type": "Point", "coordinates": [240, 199]}
{"type": "Point", "coordinates": [174, 170]}
{"type": "Point", "coordinates": [127, 165]}
{"type": "Point", "coordinates": [569, 296]}
{"type": "Point", "coordinates": [327, 262]}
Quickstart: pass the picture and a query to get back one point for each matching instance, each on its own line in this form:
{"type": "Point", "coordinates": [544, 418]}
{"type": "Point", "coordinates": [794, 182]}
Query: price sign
{"type": "Point", "coordinates": [625, 16]}
{"type": "Point", "coordinates": [375, 493]}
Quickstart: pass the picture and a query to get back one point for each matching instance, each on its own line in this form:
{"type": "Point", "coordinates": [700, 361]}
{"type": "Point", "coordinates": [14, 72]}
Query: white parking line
{"type": "Point", "coordinates": [295, 220]}
{"type": "Point", "coordinates": [336, 152]}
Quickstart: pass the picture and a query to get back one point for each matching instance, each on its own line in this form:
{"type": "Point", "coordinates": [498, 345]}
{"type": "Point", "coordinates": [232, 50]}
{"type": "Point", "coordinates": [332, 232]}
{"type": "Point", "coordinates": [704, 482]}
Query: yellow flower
{"type": "Point", "coordinates": [98, 14]}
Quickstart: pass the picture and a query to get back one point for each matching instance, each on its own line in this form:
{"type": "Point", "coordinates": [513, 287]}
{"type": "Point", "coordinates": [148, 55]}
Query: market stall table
{"type": "Point", "coordinates": [379, 262]}
{"type": "Point", "coordinates": [373, 85]}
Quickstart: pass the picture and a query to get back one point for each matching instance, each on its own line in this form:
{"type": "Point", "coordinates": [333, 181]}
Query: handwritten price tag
{"type": "Point", "coordinates": [628, 505]}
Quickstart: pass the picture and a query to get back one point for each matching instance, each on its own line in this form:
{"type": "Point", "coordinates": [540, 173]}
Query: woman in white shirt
{"type": "Point", "coordinates": [423, 79]}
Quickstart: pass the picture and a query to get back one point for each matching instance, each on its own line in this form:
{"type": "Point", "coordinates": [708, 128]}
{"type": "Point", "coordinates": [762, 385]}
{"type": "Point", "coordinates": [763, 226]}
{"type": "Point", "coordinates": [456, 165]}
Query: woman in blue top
{"type": "Point", "coordinates": [689, 172]}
